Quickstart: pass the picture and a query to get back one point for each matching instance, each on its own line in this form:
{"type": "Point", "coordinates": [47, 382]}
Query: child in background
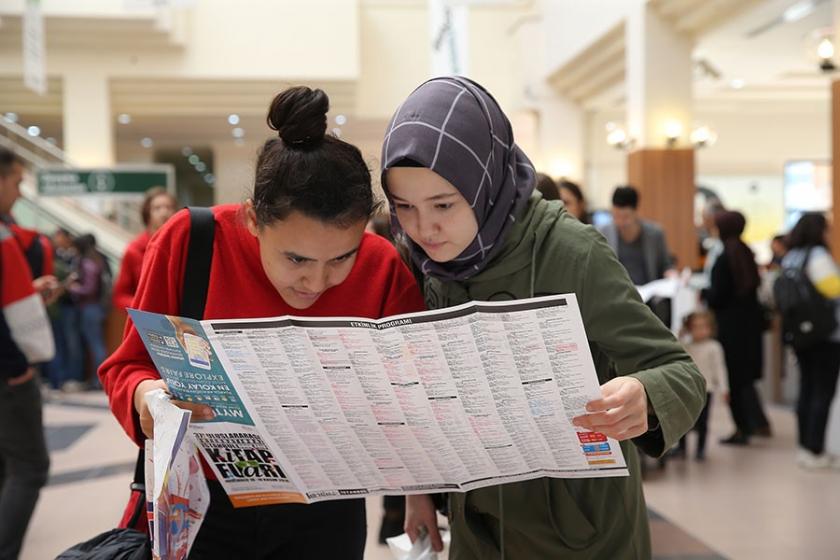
{"type": "Point", "coordinates": [707, 353]}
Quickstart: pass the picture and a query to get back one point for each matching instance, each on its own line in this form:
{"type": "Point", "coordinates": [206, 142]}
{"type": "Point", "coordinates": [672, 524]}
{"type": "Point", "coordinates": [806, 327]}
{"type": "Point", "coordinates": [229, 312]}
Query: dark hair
{"type": "Point", "coordinates": [625, 196]}
{"type": "Point", "coordinates": [151, 194]}
{"type": "Point", "coordinates": [8, 159]}
{"type": "Point", "coordinates": [547, 187]}
{"type": "Point", "coordinates": [307, 171]}
{"type": "Point", "coordinates": [572, 188]}
{"type": "Point", "coordinates": [809, 231]}
{"type": "Point", "coordinates": [730, 224]}
{"type": "Point", "coordinates": [689, 319]}
{"type": "Point", "coordinates": [85, 244]}
{"type": "Point", "coordinates": [742, 265]}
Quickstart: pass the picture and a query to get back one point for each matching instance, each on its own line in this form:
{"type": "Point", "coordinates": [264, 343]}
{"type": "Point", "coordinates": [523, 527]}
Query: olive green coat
{"type": "Point", "coordinates": [550, 252]}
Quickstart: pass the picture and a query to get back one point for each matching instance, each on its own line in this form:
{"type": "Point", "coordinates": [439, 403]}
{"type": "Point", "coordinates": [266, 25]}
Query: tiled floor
{"type": "Point", "coordinates": [742, 503]}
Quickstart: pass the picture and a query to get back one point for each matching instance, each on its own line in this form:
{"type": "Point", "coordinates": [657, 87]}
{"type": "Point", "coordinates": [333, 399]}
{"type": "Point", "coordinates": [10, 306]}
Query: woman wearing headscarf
{"type": "Point", "coordinates": [733, 296]}
{"type": "Point", "coordinates": [463, 194]}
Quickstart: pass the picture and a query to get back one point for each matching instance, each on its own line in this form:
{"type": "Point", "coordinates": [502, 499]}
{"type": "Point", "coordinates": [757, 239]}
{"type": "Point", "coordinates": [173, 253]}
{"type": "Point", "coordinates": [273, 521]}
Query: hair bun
{"type": "Point", "coordinates": [299, 115]}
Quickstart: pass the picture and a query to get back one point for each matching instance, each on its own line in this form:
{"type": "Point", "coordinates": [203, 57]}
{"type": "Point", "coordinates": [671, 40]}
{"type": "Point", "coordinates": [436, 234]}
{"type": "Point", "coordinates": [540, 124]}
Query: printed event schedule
{"type": "Point", "coordinates": [311, 409]}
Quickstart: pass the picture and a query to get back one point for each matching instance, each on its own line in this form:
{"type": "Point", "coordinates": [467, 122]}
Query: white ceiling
{"type": "Point", "coordinates": [774, 59]}
{"type": "Point", "coordinates": [775, 64]}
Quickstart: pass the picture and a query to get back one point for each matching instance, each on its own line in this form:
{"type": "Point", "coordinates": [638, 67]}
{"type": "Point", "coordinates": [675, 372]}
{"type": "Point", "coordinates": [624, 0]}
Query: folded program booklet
{"type": "Point", "coordinates": [310, 409]}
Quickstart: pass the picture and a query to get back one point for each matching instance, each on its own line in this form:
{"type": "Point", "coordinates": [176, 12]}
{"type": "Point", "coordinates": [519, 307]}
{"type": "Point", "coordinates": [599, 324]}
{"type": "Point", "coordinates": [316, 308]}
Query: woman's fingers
{"type": "Point", "coordinates": [200, 412]}
{"type": "Point", "coordinates": [620, 413]}
{"type": "Point", "coordinates": [421, 515]}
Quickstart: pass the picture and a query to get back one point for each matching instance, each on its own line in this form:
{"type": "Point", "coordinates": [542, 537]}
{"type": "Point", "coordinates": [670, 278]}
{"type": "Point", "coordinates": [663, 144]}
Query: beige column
{"type": "Point", "coordinates": [659, 101]}
{"type": "Point", "coordinates": [233, 166]}
{"type": "Point", "coordinates": [88, 124]}
{"type": "Point", "coordinates": [561, 138]}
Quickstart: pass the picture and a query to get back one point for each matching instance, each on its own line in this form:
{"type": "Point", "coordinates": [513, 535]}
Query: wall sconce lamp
{"type": "Point", "coordinates": [825, 52]}
{"type": "Point", "coordinates": [617, 137]}
{"type": "Point", "coordinates": [702, 137]}
{"type": "Point", "coordinates": [673, 131]}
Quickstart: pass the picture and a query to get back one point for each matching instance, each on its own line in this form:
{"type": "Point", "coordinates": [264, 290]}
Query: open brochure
{"type": "Point", "coordinates": [311, 409]}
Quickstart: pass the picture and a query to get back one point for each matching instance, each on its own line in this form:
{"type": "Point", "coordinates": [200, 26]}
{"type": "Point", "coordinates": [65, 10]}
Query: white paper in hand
{"type": "Point", "coordinates": [402, 549]}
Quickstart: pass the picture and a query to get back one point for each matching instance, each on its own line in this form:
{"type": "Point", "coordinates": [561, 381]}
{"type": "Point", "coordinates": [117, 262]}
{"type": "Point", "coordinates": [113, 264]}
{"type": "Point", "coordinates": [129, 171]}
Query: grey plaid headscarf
{"type": "Point", "coordinates": [454, 127]}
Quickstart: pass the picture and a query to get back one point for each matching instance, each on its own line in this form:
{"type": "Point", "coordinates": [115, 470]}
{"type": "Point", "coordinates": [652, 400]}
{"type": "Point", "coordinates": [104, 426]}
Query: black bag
{"type": "Point", "coordinates": [130, 541]}
{"type": "Point", "coordinates": [808, 318]}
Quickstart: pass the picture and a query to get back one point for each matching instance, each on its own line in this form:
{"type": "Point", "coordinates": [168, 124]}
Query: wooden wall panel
{"type": "Point", "coordinates": [665, 180]}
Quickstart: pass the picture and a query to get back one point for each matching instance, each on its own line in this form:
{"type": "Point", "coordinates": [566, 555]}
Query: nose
{"type": "Point", "coordinates": [317, 280]}
{"type": "Point", "coordinates": [427, 227]}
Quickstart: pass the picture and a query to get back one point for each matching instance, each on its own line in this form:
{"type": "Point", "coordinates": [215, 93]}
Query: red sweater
{"type": "Point", "coordinates": [129, 278]}
{"type": "Point", "coordinates": [15, 289]}
{"type": "Point", "coordinates": [379, 285]}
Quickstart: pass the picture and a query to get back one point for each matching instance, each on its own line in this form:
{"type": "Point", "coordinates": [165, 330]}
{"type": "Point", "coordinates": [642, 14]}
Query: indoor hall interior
{"type": "Point", "coordinates": [701, 105]}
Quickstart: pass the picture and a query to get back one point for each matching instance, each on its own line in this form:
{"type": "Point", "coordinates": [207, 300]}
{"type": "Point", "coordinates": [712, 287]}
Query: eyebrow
{"type": "Point", "coordinates": [301, 257]}
{"type": "Point", "coordinates": [436, 197]}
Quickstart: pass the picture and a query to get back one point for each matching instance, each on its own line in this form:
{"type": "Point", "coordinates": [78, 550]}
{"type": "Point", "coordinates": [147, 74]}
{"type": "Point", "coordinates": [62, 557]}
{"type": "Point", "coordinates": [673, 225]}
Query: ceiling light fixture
{"type": "Point", "coordinates": [798, 11]}
{"type": "Point", "coordinates": [124, 118]}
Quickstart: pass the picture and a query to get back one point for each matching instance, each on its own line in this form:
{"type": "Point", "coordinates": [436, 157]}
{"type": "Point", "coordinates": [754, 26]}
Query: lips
{"type": "Point", "coordinates": [433, 246]}
{"type": "Point", "coordinates": [307, 295]}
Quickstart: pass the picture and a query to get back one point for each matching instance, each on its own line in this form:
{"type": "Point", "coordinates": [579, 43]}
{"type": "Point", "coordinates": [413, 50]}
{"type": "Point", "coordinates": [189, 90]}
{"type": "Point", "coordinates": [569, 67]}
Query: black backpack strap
{"type": "Point", "coordinates": [194, 291]}
{"type": "Point", "coordinates": [199, 259]}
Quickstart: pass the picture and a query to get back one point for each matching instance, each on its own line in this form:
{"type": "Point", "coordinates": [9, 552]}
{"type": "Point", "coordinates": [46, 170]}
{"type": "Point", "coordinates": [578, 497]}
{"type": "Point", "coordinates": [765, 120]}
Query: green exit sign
{"type": "Point", "coordinates": [119, 180]}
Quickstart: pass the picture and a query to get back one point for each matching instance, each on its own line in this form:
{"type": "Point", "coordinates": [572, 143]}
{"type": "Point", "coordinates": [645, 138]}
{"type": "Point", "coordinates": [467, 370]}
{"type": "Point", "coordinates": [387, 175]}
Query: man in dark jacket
{"type": "Point", "coordinates": [639, 244]}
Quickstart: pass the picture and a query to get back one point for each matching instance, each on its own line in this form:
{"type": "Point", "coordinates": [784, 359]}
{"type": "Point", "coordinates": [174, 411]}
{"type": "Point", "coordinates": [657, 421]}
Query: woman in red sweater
{"type": "Point", "coordinates": [298, 246]}
{"type": "Point", "coordinates": [158, 207]}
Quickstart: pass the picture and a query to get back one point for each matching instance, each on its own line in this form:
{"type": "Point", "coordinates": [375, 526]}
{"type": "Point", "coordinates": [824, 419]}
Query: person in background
{"type": "Point", "coordinates": [24, 461]}
{"type": "Point", "coordinates": [85, 289]}
{"type": "Point", "coordinates": [37, 250]}
{"type": "Point", "coordinates": [711, 247]}
{"type": "Point", "coordinates": [64, 263]}
{"type": "Point", "coordinates": [707, 353]}
{"type": "Point", "coordinates": [496, 240]}
{"type": "Point", "coordinates": [573, 199]}
{"type": "Point", "coordinates": [547, 187]}
{"type": "Point", "coordinates": [819, 365]}
{"type": "Point", "coordinates": [733, 296]}
{"type": "Point", "coordinates": [639, 244]}
{"type": "Point", "coordinates": [779, 248]}
{"type": "Point", "coordinates": [158, 207]}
